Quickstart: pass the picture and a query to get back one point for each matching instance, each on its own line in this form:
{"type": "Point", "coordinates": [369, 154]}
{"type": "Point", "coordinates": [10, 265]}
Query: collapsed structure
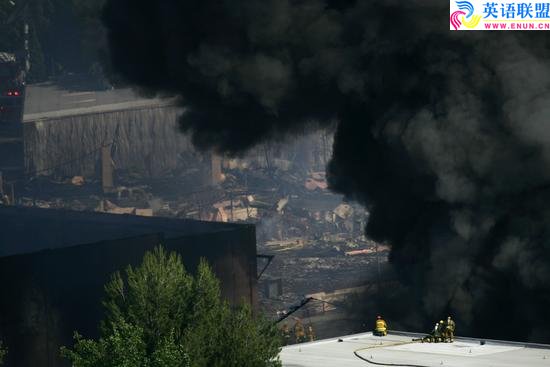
{"type": "Point", "coordinates": [73, 136]}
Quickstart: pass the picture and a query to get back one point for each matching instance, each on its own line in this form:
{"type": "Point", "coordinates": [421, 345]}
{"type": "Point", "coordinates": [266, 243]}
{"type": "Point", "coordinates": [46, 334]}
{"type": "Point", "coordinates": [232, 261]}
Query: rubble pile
{"type": "Point", "coordinates": [316, 237]}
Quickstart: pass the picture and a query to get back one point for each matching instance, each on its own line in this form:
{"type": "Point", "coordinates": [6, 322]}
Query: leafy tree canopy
{"type": "Point", "coordinates": [65, 36]}
{"type": "Point", "coordinates": [158, 315]}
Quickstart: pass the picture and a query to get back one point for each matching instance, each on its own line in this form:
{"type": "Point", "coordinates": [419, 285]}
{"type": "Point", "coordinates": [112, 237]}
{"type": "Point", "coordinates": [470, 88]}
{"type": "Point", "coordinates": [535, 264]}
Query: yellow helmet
{"type": "Point", "coordinates": [441, 322]}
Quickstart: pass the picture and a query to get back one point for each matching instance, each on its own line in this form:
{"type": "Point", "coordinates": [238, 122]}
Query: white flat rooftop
{"type": "Point", "coordinates": [398, 349]}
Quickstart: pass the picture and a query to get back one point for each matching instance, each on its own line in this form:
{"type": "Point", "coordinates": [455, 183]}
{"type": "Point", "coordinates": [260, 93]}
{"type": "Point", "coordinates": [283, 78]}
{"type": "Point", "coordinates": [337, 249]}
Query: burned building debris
{"type": "Point", "coordinates": [316, 237]}
{"type": "Point", "coordinates": [443, 135]}
{"type": "Point", "coordinates": [125, 157]}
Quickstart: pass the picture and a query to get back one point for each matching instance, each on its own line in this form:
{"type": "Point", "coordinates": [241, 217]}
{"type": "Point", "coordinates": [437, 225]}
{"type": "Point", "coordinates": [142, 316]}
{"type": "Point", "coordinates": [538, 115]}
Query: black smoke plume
{"type": "Point", "coordinates": [443, 135]}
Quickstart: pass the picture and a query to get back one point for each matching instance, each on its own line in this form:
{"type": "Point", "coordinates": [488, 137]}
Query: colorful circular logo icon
{"type": "Point", "coordinates": [465, 16]}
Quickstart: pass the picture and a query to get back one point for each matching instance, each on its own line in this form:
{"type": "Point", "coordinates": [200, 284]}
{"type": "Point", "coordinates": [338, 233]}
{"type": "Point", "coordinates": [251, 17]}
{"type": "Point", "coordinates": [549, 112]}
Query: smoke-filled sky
{"type": "Point", "coordinates": [443, 135]}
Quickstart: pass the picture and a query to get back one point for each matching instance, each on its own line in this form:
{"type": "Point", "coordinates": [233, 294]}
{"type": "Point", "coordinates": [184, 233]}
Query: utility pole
{"type": "Point", "coordinates": [26, 45]}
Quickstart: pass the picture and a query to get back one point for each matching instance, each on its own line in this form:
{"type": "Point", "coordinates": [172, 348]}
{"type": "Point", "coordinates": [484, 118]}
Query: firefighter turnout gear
{"type": "Point", "coordinates": [443, 331]}
{"type": "Point", "coordinates": [299, 332]}
{"type": "Point", "coordinates": [310, 333]}
{"type": "Point", "coordinates": [381, 328]}
{"type": "Point", "coordinates": [450, 327]}
{"type": "Point", "coordinates": [286, 334]}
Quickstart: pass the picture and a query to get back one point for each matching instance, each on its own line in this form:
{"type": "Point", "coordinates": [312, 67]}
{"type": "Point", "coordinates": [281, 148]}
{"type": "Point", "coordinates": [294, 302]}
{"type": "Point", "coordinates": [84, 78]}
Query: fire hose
{"type": "Point", "coordinates": [382, 363]}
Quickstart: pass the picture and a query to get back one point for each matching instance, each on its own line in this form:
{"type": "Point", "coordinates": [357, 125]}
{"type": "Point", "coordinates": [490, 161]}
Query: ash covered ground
{"type": "Point", "coordinates": [315, 237]}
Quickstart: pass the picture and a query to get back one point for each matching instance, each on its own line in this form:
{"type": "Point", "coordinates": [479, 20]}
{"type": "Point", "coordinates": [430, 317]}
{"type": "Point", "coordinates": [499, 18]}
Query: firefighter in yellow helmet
{"type": "Point", "coordinates": [440, 332]}
{"type": "Point", "coordinates": [381, 328]}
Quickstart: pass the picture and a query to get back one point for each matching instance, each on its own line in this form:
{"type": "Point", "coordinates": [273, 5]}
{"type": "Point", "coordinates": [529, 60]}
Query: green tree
{"type": "Point", "coordinates": [37, 15]}
{"type": "Point", "coordinates": [64, 35]}
{"type": "Point", "coordinates": [158, 315]}
{"type": "Point", "coordinates": [93, 38]}
{"type": "Point", "coordinates": [10, 36]}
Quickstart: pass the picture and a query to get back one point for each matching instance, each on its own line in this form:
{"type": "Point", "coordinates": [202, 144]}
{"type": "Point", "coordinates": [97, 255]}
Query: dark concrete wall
{"type": "Point", "coordinates": [26, 230]}
{"type": "Point", "coordinates": [46, 295]}
{"type": "Point", "coordinates": [232, 255]}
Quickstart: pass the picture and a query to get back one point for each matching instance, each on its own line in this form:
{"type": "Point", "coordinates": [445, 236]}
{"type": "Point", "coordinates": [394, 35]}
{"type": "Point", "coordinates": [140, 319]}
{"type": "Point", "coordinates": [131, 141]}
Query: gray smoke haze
{"type": "Point", "coordinates": [443, 135]}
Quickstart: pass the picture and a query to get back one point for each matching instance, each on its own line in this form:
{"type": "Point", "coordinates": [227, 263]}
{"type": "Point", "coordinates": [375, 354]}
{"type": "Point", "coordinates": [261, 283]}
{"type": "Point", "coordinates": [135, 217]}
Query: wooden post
{"type": "Point", "coordinates": [247, 207]}
{"type": "Point", "coordinates": [231, 198]}
{"type": "Point", "coordinates": [216, 169]}
{"type": "Point", "coordinates": [12, 199]}
{"type": "Point", "coordinates": [106, 169]}
{"type": "Point", "coordinates": [325, 160]}
{"type": "Point", "coordinates": [267, 160]}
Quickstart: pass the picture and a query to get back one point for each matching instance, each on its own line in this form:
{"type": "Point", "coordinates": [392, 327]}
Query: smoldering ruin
{"type": "Point", "coordinates": [310, 242]}
{"type": "Point", "coordinates": [442, 137]}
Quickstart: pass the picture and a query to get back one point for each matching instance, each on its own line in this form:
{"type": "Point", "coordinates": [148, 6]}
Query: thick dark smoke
{"type": "Point", "coordinates": [443, 135]}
